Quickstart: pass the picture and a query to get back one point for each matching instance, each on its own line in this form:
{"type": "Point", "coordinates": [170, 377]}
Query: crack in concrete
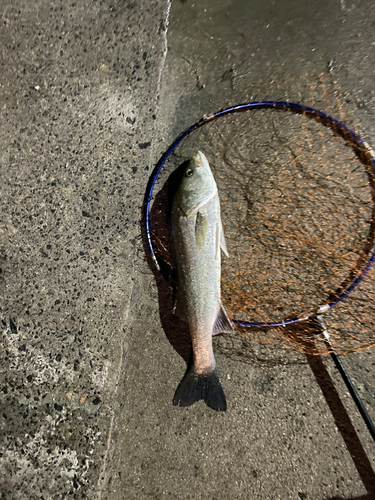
{"type": "Point", "coordinates": [103, 477]}
{"type": "Point", "coordinates": [162, 65]}
{"type": "Point", "coordinates": [124, 353]}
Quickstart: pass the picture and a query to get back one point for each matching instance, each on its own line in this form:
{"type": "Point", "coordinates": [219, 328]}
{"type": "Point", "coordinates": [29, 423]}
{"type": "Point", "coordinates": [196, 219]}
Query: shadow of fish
{"type": "Point", "coordinates": [198, 237]}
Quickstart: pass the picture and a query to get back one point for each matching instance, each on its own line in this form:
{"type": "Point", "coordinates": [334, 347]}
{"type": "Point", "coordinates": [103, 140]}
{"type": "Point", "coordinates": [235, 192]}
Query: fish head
{"type": "Point", "coordinates": [197, 186]}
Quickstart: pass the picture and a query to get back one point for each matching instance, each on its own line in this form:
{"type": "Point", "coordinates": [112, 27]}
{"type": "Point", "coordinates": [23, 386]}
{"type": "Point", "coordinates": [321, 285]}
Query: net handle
{"type": "Point", "coordinates": [337, 126]}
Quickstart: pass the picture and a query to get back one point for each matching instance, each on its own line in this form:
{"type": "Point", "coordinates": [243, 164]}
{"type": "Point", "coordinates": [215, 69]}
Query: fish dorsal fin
{"type": "Point", "coordinates": [222, 324]}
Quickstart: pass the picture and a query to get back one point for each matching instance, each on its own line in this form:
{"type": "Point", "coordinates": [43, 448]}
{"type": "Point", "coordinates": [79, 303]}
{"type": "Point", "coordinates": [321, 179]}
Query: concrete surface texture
{"type": "Point", "coordinates": [79, 86]}
{"type": "Point", "coordinates": [90, 98]}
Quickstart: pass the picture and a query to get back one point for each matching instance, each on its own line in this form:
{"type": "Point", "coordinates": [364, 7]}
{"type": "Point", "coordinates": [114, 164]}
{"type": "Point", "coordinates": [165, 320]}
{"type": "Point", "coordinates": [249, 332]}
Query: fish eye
{"type": "Point", "coordinates": [189, 172]}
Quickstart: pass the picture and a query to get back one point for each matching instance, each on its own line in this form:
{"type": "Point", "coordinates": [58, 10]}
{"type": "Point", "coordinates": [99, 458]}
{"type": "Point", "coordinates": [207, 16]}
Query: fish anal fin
{"type": "Point", "coordinates": [222, 324]}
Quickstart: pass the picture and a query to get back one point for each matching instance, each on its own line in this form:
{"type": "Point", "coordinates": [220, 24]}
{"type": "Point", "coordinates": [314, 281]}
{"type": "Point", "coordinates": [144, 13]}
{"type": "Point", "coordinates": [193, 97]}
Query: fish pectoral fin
{"type": "Point", "coordinates": [222, 324]}
{"type": "Point", "coordinates": [221, 240]}
{"type": "Point", "coordinates": [201, 230]}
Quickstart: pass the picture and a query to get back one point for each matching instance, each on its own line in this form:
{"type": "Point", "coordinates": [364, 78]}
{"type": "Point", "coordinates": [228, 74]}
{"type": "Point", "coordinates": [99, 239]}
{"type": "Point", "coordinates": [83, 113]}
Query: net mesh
{"type": "Point", "coordinates": [297, 207]}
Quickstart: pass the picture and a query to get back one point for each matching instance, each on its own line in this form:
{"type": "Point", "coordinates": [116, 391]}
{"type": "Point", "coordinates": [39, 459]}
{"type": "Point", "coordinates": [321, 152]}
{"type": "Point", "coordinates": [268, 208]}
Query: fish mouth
{"type": "Point", "coordinates": [199, 159]}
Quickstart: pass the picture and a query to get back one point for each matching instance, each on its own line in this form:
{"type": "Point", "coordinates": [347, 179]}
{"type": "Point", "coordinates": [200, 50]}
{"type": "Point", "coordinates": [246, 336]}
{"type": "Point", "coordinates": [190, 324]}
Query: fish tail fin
{"type": "Point", "coordinates": [195, 386]}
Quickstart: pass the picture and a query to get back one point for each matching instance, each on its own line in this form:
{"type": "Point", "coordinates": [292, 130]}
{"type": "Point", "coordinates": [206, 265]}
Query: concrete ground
{"type": "Point", "coordinates": [92, 92]}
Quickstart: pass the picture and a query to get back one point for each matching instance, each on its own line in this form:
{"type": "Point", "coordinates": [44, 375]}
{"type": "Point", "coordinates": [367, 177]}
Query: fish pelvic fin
{"type": "Point", "coordinates": [222, 324]}
{"type": "Point", "coordinates": [195, 386]}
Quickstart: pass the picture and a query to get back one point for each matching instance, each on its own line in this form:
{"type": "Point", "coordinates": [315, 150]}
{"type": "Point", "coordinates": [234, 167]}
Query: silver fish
{"type": "Point", "coordinates": [198, 237]}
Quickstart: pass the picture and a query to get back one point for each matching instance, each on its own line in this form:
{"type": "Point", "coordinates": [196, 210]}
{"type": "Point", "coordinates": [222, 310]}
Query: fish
{"type": "Point", "coordinates": [198, 240]}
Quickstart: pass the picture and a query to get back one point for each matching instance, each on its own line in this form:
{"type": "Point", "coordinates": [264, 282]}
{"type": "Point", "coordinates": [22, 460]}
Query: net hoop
{"type": "Point", "coordinates": [359, 145]}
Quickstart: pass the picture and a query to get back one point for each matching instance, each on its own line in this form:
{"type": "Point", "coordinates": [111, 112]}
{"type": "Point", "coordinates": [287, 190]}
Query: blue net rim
{"type": "Point", "coordinates": [337, 126]}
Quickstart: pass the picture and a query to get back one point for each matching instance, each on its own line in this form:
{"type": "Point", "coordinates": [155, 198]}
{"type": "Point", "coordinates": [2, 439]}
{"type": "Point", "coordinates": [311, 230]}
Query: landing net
{"type": "Point", "coordinates": [297, 199]}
